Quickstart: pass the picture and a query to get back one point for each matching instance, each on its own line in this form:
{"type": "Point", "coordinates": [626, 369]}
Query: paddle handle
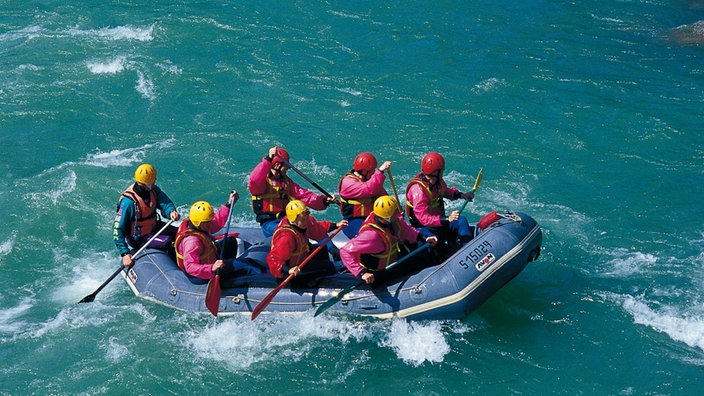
{"type": "Point", "coordinates": [227, 226]}
{"type": "Point", "coordinates": [151, 240]}
{"type": "Point", "coordinates": [409, 255]}
{"type": "Point", "coordinates": [477, 182]}
{"type": "Point", "coordinates": [333, 300]}
{"type": "Point", "coordinates": [393, 187]}
{"type": "Point", "coordinates": [304, 176]}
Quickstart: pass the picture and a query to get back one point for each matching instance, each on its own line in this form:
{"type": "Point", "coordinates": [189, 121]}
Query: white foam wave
{"type": "Point", "coordinates": [268, 337]}
{"type": "Point", "coordinates": [119, 33]}
{"type": "Point", "coordinates": [125, 157]}
{"type": "Point", "coordinates": [88, 273]}
{"type": "Point", "coordinates": [145, 86]}
{"type": "Point", "coordinates": [683, 327]}
{"type": "Point", "coordinates": [488, 85]}
{"type": "Point", "coordinates": [63, 186]}
{"type": "Point", "coordinates": [215, 23]}
{"type": "Point", "coordinates": [416, 342]}
{"type": "Point", "coordinates": [313, 167]}
{"type": "Point", "coordinates": [353, 92]}
{"type": "Point", "coordinates": [128, 33]}
{"type": "Point", "coordinates": [262, 340]}
{"type": "Point", "coordinates": [628, 263]}
{"type": "Point", "coordinates": [112, 66]}
{"type": "Point", "coordinates": [115, 351]}
{"type": "Point", "coordinates": [29, 67]}
{"type": "Point", "coordinates": [9, 317]}
{"type": "Point", "coordinates": [26, 33]}
{"type": "Point", "coordinates": [171, 69]}
{"type": "Point", "coordinates": [6, 247]}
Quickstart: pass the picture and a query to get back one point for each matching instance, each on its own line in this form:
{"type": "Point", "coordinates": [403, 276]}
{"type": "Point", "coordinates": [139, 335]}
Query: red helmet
{"type": "Point", "coordinates": [280, 152]}
{"type": "Point", "coordinates": [432, 162]}
{"type": "Point", "coordinates": [364, 162]}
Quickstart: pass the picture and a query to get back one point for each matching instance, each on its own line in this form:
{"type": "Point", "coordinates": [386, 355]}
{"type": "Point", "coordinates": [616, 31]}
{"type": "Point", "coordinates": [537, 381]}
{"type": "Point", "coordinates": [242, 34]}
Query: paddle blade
{"type": "Point", "coordinates": [329, 303]}
{"type": "Point", "coordinates": [212, 297]}
{"type": "Point", "coordinates": [88, 298]}
{"type": "Point", "coordinates": [479, 180]}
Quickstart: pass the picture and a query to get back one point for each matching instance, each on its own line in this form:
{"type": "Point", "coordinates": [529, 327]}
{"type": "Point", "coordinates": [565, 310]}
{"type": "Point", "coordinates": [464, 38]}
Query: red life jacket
{"type": "Point", "coordinates": [145, 221]}
{"type": "Point", "coordinates": [436, 203]}
{"type": "Point", "coordinates": [272, 203]}
{"type": "Point", "coordinates": [302, 248]}
{"type": "Point", "coordinates": [351, 208]}
{"type": "Point", "coordinates": [209, 253]}
{"type": "Point", "coordinates": [390, 235]}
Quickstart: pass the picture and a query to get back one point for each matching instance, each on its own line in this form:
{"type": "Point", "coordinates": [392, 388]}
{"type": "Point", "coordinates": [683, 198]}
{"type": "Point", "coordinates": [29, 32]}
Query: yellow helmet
{"type": "Point", "coordinates": [145, 174]}
{"type": "Point", "coordinates": [385, 207]}
{"type": "Point", "coordinates": [201, 211]}
{"type": "Point", "coordinates": [294, 208]}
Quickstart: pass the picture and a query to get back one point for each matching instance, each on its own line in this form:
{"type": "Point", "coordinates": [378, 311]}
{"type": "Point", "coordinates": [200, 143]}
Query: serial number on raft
{"type": "Point", "coordinates": [478, 256]}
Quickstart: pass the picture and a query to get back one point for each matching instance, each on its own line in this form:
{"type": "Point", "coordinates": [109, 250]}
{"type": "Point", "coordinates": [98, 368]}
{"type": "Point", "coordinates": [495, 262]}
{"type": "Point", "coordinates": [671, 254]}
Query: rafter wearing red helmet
{"type": "Point", "coordinates": [359, 188]}
{"type": "Point", "coordinates": [272, 189]}
{"type": "Point", "coordinates": [425, 203]}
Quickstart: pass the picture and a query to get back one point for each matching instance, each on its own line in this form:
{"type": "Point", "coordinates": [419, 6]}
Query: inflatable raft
{"type": "Point", "coordinates": [448, 290]}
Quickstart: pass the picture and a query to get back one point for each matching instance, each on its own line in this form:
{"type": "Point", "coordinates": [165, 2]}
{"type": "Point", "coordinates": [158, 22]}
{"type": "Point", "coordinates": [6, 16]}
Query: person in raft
{"type": "Point", "coordinates": [272, 189]}
{"type": "Point", "coordinates": [197, 254]}
{"type": "Point", "coordinates": [425, 203]}
{"type": "Point", "coordinates": [359, 188]}
{"type": "Point", "coordinates": [290, 245]}
{"type": "Point", "coordinates": [380, 241]}
{"type": "Point", "coordinates": [136, 220]}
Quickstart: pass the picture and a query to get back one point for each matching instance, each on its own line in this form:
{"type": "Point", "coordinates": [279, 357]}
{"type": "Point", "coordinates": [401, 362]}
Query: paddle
{"type": "Point", "coordinates": [91, 297]}
{"type": "Point", "coordinates": [212, 296]}
{"type": "Point", "coordinates": [306, 177]}
{"type": "Point", "coordinates": [332, 301]}
{"type": "Point", "coordinates": [266, 300]}
{"type": "Point", "coordinates": [393, 186]}
{"type": "Point", "coordinates": [475, 188]}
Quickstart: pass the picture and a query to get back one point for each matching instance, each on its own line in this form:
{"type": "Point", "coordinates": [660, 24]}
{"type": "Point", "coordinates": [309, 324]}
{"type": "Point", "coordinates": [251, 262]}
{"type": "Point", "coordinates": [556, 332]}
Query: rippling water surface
{"type": "Point", "coordinates": [586, 116]}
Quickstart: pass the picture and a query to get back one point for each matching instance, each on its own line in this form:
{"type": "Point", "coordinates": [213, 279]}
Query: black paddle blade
{"type": "Point", "coordinates": [88, 298]}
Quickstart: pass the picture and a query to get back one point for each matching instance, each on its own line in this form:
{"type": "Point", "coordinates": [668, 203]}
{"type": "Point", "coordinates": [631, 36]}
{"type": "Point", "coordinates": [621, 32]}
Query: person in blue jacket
{"type": "Point", "coordinates": [136, 220]}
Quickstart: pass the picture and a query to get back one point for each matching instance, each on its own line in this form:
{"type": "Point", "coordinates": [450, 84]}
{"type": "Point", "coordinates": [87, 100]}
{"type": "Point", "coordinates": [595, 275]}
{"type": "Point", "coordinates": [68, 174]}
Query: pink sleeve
{"type": "Point", "coordinates": [311, 199]}
{"type": "Point", "coordinates": [257, 179]}
{"type": "Point", "coordinates": [191, 249]}
{"type": "Point", "coordinates": [350, 187]}
{"type": "Point", "coordinates": [417, 197]}
{"type": "Point", "coordinates": [365, 242]}
{"type": "Point", "coordinates": [450, 192]}
{"type": "Point", "coordinates": [220, 219]}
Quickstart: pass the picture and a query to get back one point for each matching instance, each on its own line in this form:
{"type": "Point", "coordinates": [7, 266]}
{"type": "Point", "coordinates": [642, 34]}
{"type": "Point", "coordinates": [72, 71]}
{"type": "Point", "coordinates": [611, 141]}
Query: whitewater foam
{"type": "Point", "coordinates": [129, 33]}
{"type": "Point", "coordinates": [416, 342]}
{"type": "Point", "coordinates": [679, 326]}
{"type": "Point", "coordinates": [10, 321]}
{"type": "Point", "coordinates": [112, 66]}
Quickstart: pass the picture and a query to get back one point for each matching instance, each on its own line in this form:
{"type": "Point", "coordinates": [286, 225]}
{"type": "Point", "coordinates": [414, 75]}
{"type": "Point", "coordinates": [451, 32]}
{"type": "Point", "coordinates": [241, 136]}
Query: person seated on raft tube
{"type": "Point", "coordinates": [359, 188]}
{"type": "Point", "coordinates": [290, 245]}
{"type": "Point", "coordinates": [425, 205]}
{"type": "Point", "coordinates": [136, 220]}
{"type": "Point", "coordinates": [196, 251]}
{"type": "Point", "coordinates": [379, 243]}
{"type": "Point", "coordinates": [271, 190]}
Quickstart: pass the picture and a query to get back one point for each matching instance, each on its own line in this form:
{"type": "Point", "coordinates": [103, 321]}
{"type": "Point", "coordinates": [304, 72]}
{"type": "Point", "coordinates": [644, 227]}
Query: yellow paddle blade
{"type": "Point", "coordinates": [479, 179]}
